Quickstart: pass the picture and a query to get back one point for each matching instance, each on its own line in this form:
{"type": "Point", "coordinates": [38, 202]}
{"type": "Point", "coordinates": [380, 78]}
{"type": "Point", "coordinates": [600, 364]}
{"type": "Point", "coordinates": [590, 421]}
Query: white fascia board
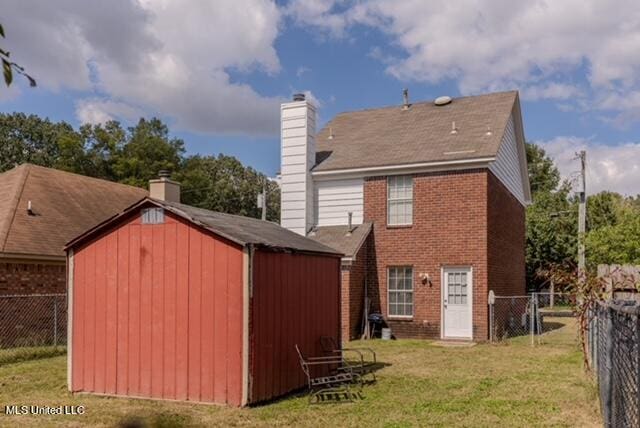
{"type": "Point", "coordinates": [405, 169]}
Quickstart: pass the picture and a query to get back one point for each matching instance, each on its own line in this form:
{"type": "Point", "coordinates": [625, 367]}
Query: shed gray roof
{"type": "Point", "coordinates": [338, 237]}
{"type": "Point", "coordinates": [421, 133]}
{"type": "Point", "coordinates": [239, 229]}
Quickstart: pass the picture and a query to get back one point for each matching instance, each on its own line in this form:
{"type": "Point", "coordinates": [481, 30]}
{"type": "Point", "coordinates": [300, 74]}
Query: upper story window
{"type": "Point", "coordinates": [400, 200]}
{"type": "Point", "coordinates": [152, 216]}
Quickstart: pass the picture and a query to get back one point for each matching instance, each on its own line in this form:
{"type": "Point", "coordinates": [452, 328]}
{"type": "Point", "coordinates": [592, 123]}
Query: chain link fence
{"type": "Point", "coordinates": [528, 315]}
{"type": "Point", "coordinates": [614, 354]}
{"type": "Point", "coordinates": [32, 326]}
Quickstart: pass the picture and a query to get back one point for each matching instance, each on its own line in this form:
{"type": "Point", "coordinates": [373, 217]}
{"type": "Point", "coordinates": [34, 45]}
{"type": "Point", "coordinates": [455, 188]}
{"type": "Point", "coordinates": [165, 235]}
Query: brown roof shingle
{"type": "Point", "coordinates": [421, 133]}
{"type": "Point", "coordinates": [338, 237]}
{"type": "Point", "coordinates": [239, 229]}
{"type": "Point", "coordinates": [64, 205]}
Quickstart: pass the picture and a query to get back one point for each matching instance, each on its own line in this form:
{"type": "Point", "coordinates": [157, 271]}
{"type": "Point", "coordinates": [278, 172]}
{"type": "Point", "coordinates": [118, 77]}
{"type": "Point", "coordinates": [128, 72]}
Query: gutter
{"type": "Point", "coordinates": [428, 166]}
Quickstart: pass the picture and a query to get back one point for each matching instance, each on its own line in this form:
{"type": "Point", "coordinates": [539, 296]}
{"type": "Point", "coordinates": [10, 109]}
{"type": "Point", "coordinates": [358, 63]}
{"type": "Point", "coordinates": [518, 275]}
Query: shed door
{"type": "Point", "coordinates": [457, 303]}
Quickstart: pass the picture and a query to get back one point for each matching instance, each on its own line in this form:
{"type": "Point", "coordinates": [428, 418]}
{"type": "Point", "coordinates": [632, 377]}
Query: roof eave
{"type": "Point", "coordinates": [407, 168]}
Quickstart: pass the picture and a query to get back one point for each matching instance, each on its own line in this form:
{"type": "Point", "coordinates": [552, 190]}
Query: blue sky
{"type": "Point", "coordinates": [216, 72]}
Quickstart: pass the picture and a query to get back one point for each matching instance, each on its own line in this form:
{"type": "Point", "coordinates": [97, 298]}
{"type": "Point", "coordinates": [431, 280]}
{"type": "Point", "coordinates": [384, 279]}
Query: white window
{"type": "Point", "coordinates": [400, 200]}
{"type": "Point", "coordinates": [400, 289]}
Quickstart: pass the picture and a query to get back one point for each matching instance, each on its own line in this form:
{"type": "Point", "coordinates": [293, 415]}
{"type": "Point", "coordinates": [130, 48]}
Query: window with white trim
{"type": "Point", "coordinates": [400, 200]}
{"type": "Point", "coordinates": [400, 291]}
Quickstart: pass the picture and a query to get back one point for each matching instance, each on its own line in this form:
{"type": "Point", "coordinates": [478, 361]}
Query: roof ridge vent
{"type": "Point", "coordinates": [443, 100]}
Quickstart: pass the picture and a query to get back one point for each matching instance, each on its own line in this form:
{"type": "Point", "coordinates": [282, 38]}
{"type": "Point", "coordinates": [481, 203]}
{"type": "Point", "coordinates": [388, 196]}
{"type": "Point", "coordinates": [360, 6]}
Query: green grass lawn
{"type": "Point", "coordinates": [511, 384]}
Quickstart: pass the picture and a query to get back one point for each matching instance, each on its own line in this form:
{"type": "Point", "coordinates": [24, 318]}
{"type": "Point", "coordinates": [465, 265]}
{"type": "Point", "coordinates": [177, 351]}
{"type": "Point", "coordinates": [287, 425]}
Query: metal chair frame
{"type": "Point", "coordinates": [322, 388]}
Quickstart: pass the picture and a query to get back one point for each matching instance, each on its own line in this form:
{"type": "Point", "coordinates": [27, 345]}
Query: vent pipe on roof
{"type": "Point", "coordinates": [454, 130]}
{"type": "Point", "coordinates": [405, 99]}
{"type": "Point", "coordinates": [29, 208]}
{"type": "Point", "coordinates": [350, 227]}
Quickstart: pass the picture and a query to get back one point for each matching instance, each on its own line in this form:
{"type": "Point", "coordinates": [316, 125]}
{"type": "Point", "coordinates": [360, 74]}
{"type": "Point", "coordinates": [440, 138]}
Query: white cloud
{"type": "Point", "coordinates": [486, 45]}
{"type": "Point", "coordinates": [321, 14]}
{"type": "Point", "coordinates": [95, 111]}
{"type": "Point", "coordinates": [302, 70]}
{"type": "Point", "coordinates": [168, 59]}
{"type": "Point", "coordinates": [615, 168]}
{"type": "Point", "coordinates": [553, 90]}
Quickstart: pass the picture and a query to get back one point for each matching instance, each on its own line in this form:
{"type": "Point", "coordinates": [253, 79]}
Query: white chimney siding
{"type": "Point", "coordinates": [298, 119]}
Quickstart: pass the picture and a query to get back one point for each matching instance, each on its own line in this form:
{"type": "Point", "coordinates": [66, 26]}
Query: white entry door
{"type": "Point", "coordinates": [457, 303]}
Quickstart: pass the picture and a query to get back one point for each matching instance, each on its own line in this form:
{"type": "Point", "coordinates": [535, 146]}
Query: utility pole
{"type": "Point", "coordinates": [582, 214]}
{"type": "Point", "coordinates": [262, 201]}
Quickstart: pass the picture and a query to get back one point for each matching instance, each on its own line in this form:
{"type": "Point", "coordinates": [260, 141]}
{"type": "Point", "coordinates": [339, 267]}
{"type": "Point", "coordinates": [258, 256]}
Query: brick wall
{"type": "Point", "coordinates": [449, 229]}
{"type": "Point", "coordinates": [506, 240]}
{"type": "Point", "coordinates": [353, 283]}
{"type": "Point", "coordinates": [26, 277]}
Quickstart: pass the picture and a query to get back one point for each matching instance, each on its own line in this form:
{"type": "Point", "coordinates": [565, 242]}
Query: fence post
{"type": "Point", "coordinates": [532, 317]}
{"type": "Point", "coordinates": [638, 363]}
{"type": "Point", "coordinates": [492, 301]}
{"type": "Point", "coordinates": [608, 369]}
{"type": "Point", "coordinates": [55, 322]}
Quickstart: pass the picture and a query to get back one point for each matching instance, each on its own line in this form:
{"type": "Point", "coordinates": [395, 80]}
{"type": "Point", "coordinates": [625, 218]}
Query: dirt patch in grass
{"type": "Point", "coordinates": [512, 384]}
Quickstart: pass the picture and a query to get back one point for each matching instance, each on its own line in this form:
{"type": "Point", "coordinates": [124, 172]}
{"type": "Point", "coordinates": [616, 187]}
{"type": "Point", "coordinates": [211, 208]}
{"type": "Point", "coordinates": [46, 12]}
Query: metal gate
{"type": "Point", "coordinates": [527, 315]}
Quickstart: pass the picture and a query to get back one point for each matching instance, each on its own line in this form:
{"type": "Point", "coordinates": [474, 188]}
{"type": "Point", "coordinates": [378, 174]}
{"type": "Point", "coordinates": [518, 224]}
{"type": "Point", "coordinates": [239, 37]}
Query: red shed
{"type": "Point", "coordinates": [175, 302]}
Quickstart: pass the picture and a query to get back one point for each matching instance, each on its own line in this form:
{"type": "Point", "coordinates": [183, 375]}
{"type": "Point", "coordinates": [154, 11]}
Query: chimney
{"type": "Point", "coordinates": [298, 156]}
{"type": "Point", "coordinates": [164, 188]}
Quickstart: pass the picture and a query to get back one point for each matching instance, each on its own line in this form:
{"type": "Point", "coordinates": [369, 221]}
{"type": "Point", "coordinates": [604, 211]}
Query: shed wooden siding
{"type": "Point", "coordinates": [157, 312]}
{"type": "Point", "coordinates": [296, 300]}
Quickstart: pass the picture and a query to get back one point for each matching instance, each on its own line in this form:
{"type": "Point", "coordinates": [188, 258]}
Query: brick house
{"type": "Point", "coordinates": [41, 210]}
{"type": "Point", "coordinates": [426, 201]}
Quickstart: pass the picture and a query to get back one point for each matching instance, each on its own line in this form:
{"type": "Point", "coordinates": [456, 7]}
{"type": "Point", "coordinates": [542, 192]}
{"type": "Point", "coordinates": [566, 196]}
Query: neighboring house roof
{"type": "Point", "coordinates": [239, 229]}
{"type": "Point", "coordinates": [338, 237]}
{"type": "Point", "coordinates": [419, 134]}
{"type": "Point", "coordinates": [63, 205]}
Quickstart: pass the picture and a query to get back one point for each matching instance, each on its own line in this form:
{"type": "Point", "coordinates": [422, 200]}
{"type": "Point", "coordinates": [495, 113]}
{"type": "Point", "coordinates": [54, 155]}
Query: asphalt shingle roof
{"type": "Point", "coordinates": [338, 237]}
{"type": "Point", "coordinates": [239, 229]}
{"type": "Point", "coordinates": [64, 205]}
{"type": "Point", "coordinates": [421, 133]}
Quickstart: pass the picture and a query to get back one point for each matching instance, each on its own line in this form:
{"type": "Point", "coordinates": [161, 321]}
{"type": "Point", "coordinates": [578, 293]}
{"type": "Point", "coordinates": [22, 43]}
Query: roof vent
{"type": "Point", "coordinates": [330, 137]}
{"type": "Point", "coordinates": [299, 97]}
{"type": "Point", "coordinates": [442, 101]}
{"type": "Point", "coordinates": [454, 130]}
{"type": "Point", "coordinates": [405, 99]}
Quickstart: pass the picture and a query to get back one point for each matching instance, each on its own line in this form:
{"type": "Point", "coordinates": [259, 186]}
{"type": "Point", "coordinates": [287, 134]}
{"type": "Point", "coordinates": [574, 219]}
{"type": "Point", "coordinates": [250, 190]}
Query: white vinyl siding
{"type": "Point", "coordinates": [400, 200]}
{"type": "Point", "coordinates": [335, 199]}
{"type": "Point", "coordinates": [506, 167]}
{"type": "Point", "coordinates": [298, 156]}
{"type": "Point", "coordinates": [400, 291]}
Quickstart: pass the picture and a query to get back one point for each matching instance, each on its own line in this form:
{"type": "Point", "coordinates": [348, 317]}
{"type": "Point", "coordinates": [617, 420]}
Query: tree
{"type": "Point", "coordinates": [551, 226]}
{"type": "Point", "coordinates": [148, 149]}
{"type": "Point", "coordinates": [604, 209]}
{"type": "Point", "coordinates": [543, 174]}
{"type": "Point", "coordinates": [223, 184]}
{"type": "Point", "coordinates": [31, 139]}
{"type": "Point", "coordinates": [9, 67]}
{"type": "Point", "coordinates": [134, 156]}
{"type": "Point", "coordinates": [618, 243]}
{"type": "Point", "coordinates": [551, 232]}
